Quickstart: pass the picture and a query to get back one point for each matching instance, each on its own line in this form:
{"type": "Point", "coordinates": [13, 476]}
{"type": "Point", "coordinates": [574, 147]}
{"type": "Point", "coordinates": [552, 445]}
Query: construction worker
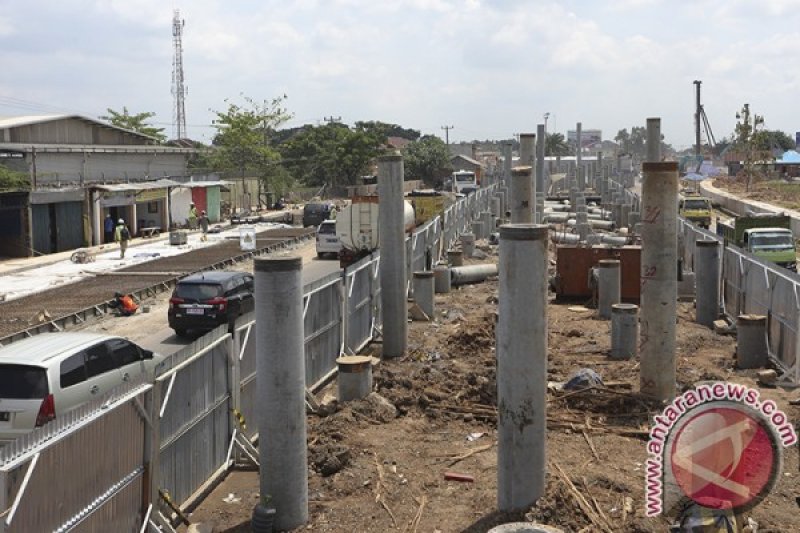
{"type": "Point", "coordinates": [204, 226]}
{"type": "Point", "coordinates": [124, 304]}
{"type": "Point", "coordinates": [122, 235]}
{"type": "Point", "coordinates": [192, 216]}
{"type": "Point", "coordinates": [108, 229]}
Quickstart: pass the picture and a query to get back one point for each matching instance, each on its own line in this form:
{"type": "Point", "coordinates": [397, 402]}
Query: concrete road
{"type": "Point", "coordinates": [164, 340]}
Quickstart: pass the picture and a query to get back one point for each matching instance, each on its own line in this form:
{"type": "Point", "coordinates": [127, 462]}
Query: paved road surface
{"type": "Point", "coordinates": [165, 341]}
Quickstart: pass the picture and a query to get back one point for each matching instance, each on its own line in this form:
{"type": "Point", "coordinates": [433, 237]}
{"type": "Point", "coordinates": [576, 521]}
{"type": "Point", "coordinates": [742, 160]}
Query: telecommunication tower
{"type": "Point", "coordinates": [178, 87]}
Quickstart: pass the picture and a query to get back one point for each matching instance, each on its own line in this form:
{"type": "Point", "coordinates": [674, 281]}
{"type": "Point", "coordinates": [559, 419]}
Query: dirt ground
{"type": "Point", "coordinates": [780, 193]}
{"type": "Point", "coordinates": [378, 464]}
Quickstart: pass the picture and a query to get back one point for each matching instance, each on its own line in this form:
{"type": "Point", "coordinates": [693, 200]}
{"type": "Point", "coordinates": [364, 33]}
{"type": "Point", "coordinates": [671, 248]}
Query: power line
{"type": "Point", "coordinates": [447, 133]}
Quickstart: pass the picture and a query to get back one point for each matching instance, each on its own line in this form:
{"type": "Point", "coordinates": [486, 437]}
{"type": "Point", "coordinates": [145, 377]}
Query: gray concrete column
{"type": "Point", "coordinates": [579, 154]}
{"type": "Point", "coordinates": [751, 341]}
{"type": "Point", "coordinates": [507, 163]}
{"type": "Point", "coordinates": [521, 365]}
{"type": "Point", "coordinates": [497, 207]}
{"type": "Point", "coordinates": [455, 257]}
{"type": "Point", "coordinates": [354, 379]}
{"type": "Point", "coordinates": [441, 279]}
{"type": "Point", "coordinates": [581, 178]}
{"type": "Point", "coordinates": [423, 291]}
{"type": "Point", "coordinates": [624, 215]}
{"type": "Point", "coordinates": [659, 279]}
{"type": "Point", "coordinates": [468, 242]}
{"type": "Point", "coordinates": [281, 388]}
{"type": "Point", "coordinates": [608, 286]}
{"type": "Point", "coordinates": [540, 189]}
{"type": "Point", "coordinates": [488, 223]}
{"type": "Point", "coordinates": [521, 195]}
{"type": "Point", "coordinates": [624, 331]}
{"type": "Point", "coordinates": [393, 255]}
{"type": "Point", "coordinates": [527, 147]}
{"type": "Point", "coordinates": [653, 139]}
{"type": "Point", "coordinates": [707, 281]}
{"type": "Point", "coordinates": [477, 230]}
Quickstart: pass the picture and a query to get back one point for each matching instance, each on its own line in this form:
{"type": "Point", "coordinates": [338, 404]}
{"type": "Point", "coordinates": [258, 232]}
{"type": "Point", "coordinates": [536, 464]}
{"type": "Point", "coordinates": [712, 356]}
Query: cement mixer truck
{"type": "Point", "coordinates": [357, 228]}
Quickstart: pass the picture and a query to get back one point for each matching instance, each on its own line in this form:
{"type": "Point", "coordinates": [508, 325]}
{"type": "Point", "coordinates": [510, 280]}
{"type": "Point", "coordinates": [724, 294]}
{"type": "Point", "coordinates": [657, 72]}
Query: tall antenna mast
{"type": "Point", "coordinates": [178, 87]}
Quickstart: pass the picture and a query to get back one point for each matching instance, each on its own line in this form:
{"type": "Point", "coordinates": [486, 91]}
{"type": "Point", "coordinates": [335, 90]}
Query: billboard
{"type": "Point", "coordinates": [588, 137]}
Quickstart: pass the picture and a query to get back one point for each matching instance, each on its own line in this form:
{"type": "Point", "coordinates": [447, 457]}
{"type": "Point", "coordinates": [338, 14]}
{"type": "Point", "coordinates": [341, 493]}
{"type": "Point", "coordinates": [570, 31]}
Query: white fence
{"type": "Point", "coordinates": [103, 466]}
{"type": "Point", "coordinates": [753, 286]}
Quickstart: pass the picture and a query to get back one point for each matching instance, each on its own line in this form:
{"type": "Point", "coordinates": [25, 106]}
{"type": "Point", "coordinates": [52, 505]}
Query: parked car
{"type": "Point", "coordinates": [315, 213]}
{"type": "Point", "coordinates": [327, 240]}
{"type": "Point", "coordinates": [203, 301]}
{"type": "Point", "coordinates": [47, 375]}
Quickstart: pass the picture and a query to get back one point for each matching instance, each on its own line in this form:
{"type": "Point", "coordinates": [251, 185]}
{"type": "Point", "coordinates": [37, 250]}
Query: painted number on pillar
{"type": "Point", "coordinates": [651, 214]}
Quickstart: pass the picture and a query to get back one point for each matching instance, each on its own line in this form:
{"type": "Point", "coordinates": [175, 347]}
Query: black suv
{"type": "Point", "coordinates": [206, 300]}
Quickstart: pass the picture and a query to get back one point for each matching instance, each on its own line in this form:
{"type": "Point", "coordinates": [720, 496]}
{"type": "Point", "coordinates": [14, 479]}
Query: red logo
{"type": "Point", "coordinates": [724, 456]}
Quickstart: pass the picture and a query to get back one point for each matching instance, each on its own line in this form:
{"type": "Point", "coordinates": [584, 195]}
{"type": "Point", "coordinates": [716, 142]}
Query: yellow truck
{"type": "Point", "coordinates": [696, 209]}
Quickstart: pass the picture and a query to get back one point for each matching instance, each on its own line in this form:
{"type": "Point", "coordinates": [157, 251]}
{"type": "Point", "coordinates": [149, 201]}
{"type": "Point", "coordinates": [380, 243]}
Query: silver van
{"type": "Point", "coordinates": [47, 375]}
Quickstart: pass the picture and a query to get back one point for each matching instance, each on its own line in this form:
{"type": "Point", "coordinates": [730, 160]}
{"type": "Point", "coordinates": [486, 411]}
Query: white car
{"type": "Point", "coordinates": [327, 240]}
{"type": "Point", "coordinates": [47, 375]}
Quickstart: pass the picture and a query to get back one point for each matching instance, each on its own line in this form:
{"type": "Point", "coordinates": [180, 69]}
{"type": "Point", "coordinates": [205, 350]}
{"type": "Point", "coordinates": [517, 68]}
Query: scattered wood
{"type": "Point", "coordinates": [591, 444]}
{"type": "Point", "coordinates": [382, 485]}
{"type": "Point", "coordinates": [414, 524]}
{"type": "Point", "coordinates": [457, 476]}
{"type": "Point", "coordinates": [470, 453]}
{"type": "Point", "coordinates": [594, 517]}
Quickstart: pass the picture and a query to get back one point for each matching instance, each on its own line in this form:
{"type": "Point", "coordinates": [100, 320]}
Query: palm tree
{"type": "Point", "coordinates": [556, 144]}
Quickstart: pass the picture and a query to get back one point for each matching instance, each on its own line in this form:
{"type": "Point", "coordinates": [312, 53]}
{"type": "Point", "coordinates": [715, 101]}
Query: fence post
{"type": "Point", "coordinates": [232, 345]}
{"type": "Point", "coordinates": [152, 450]}
{"type": "Point", "coordinates": [4, 499]}
{"type": "Point", "coordinates": [344, 300]}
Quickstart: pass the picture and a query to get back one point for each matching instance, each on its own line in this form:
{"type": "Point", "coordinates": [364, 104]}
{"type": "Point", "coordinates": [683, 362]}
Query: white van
{"type": "Point", "coordinates": [47, 375]}
{"type": "Point", "coordinates": [327, 239]}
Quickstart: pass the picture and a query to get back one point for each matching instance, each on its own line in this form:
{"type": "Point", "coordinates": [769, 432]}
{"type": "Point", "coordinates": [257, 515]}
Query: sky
{"type": "Point", "coordinates": [490, 69]}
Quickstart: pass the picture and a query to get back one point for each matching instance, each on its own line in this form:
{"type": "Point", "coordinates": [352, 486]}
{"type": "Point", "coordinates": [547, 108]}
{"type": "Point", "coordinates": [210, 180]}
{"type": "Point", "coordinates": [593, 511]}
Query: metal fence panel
{"type": "Point", "coordinates": [195, 425]}
{"type": "Point", "coordinates": [80, 468]}
{"type": "Point", "coordinates": [323, 329]}
{"type": "Point", "coordinates": [359, 297]}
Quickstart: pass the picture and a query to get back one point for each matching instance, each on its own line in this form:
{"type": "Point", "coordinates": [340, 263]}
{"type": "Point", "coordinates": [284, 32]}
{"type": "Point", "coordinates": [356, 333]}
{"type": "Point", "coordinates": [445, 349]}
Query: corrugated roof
{"type": "Point", "coordinates": [96, 148]}
{"type": "Point", "coordinates": [28, 120]}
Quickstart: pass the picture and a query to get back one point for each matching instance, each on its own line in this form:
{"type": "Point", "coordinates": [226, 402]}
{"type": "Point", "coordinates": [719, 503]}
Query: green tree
{"type": "Point", "coordinates": [137, 122]}
{"type": "Point", "coordinates": [10, 179]}
{"type": "Point", "coordinates": [623, 138]}
{"type": "Point", "coordinates": [332, 155]}
{"type": "Point", "coordinates": [243, 141]}
{"type": "Point", "coordinates": [638, 141]}
{"type": "Point", "coordinates": [556, 144]}
{"type": "Point", "coordinates": [769, 140]}
{"type": "Point", "coordinates": [751, 143]}
{"type": "Point", "coordinates": [427, 159]}
{"type": "Point", "coordinates": [382, 130]}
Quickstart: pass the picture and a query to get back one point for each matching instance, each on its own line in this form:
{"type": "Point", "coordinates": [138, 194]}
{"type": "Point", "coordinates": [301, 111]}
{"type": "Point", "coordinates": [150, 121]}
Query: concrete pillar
{"type": "Point", "coordinates": [488, 224]}
{"type": "Point", "coordinates": [581, 178]}
{"type": "Point", "coordinates": [280, 383]}
{"type": "Point", "coordinates": [633, 219]}
{"type": "Point", "coordinates": [624, 331]}
{"type": "Point", "coordinates": [521, 195]}
{"type": "Point", "coordinates": [653, 139]}
{"type": "Point", "coordinates": [506, 163]}
{"type": "Point", "coordinates": [608, 286]}
{"type": "Point", "coordinates": [499, 198]}
{"type": "Point", "coordinates": [579, 154]}
{"type": "Point", "coordinates": [477, 231]}
{"type": "Point", "coordinates": [441, 279]}
{"type": "Point", "coordinates": [497, 207]}
{"type": "Point", "coordinates": [393, 255]}
{"type": "Point", "coordinates": [354, 380]}
{"type": "Point", "coordinates": [455, 257]}
{"type": "Point", "coordinates": [527, 150]}
{"type": "Point", "coordinates": [468, 243]}
{"type": "Point", "coordinates": [659, 279]}
{"type": "Point", "coordinates": [624, 215]}
{"type": "Point", "coordinates": [751, 341]}
{"type": "Point", "coordinates": [707, 281]}
{"type": "Point", "coordinates": [521, 365]}
{"type": "Point", "coordinates": [423, 291]}
{"type": "Point", "coordinates": [540, 189]}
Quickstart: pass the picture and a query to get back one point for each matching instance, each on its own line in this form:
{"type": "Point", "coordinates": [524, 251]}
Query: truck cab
{"type": "Point", "coordinates": [772, 244]}
{"type": "Point", "coordinates": [696, 209]}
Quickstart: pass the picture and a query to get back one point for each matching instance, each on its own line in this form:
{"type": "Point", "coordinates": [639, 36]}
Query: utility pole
{"type": "Point", "coordinates": [447, 134]}
{"type": "Point", "coordinates": [697, 117]}
{"type": "Point", "coordinates": [546, 116]}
